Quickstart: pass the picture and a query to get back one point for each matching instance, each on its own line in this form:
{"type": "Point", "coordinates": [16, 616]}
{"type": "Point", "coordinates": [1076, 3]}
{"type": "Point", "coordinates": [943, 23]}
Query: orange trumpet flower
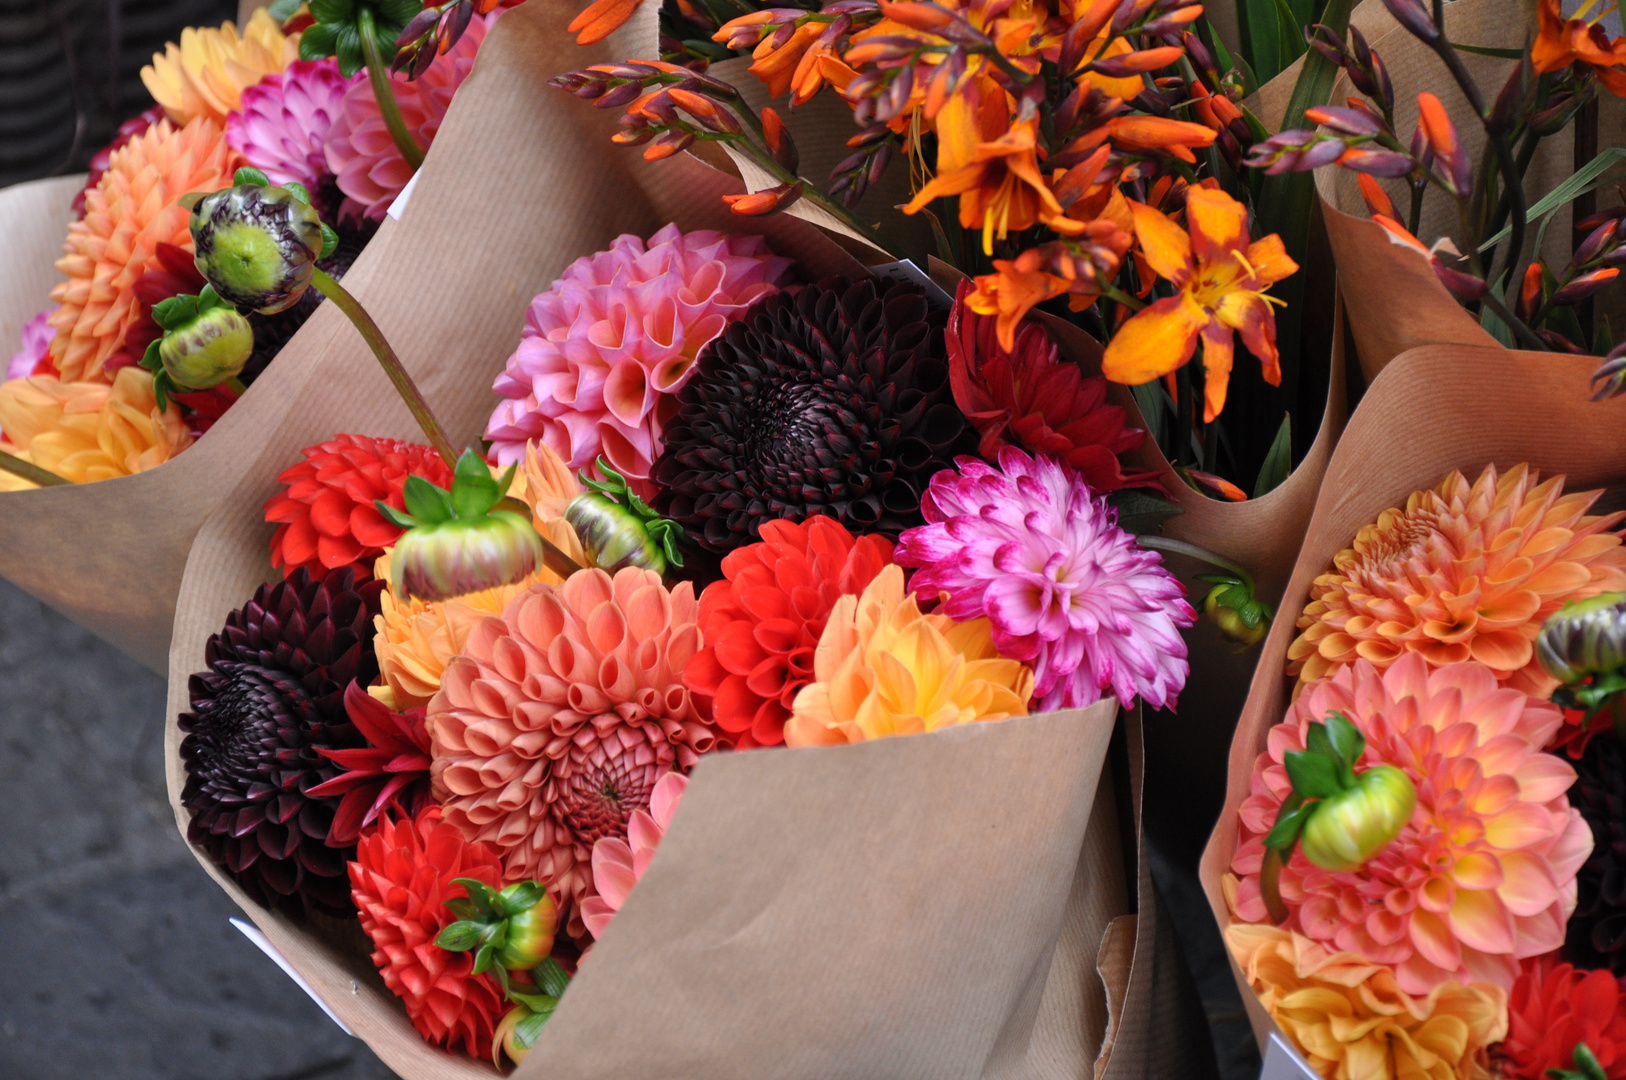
{"type": "Point", "coordinates": [1562, 42]}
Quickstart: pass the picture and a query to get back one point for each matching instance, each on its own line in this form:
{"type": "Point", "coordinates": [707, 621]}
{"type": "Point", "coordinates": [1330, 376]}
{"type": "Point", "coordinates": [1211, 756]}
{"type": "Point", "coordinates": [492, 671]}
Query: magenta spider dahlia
{"type": "Point", "coordinates": [282, 123]}
{"type": "Point", "coordinates": [1030, 546]}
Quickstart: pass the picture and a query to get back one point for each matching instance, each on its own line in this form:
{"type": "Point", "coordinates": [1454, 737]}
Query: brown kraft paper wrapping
{"type": "Point", "coordinates": [958, 902]}
{"type": "Point", "coordinates": [1415, 424]}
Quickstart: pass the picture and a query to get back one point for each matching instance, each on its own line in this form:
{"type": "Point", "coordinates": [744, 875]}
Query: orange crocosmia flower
{"type": "Point", "coordinates": [777, 67]}
{"type": "Point", "coordinates": [600, 19]}
{"type": "Point", "coordinates": [1221, 279]}
{"type": "Point", "coordinates": [1010, 292]}
{"type": "Point", "coordinates": [1148, 134]}
{"type": "Point", "coordinates": [1562, 42]}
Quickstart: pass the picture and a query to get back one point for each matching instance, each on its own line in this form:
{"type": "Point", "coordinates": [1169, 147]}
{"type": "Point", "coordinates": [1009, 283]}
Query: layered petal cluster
{"type": "Point", "coordinates": [560, 716]}
{"type": "Point", "coordinates": [1354, 1022]}
{"type": "Point", "coordinates": [619, 864]}
{"type": "Point", "coordinates": [1482, 876]}
{"type": "Point", "coordinates": [127, 216]}
{"type": "Point", "coordinates": [608, 345]}
{"type": "Point", "coordinates": [359, 148]}
{"type": "Point", "coordinates": [762, 622]}
{"type": "Point", "coordinates": [282, 123]}
{"type": "Point", "coordinates": [392, 770]}
{"type": "Point", "coordinates": [1029, 399]}
{"type": "Point", "coordinates": [87, 431]}
{"type": "Point", "coordinates": [1553, 1007]}
{"type": "Point", "coordinates": [1028, 546]}
{"type": "Point", "coordinates": [404, 873]}
{"type": "Point", "coordinates": [883, 668]}
{"type": "Point", "coordinates": [206, 74]}
{"type": "Point", "coordinates": [100, 160]}
{"type": "Point", "coordinates": [1464, 571]}
{"type": "Point", "coordinates": [546, 484]}
{"type": "Point", "coordinates": [34, 347]}
{"type": "Point", "coordinates": [326, 517]}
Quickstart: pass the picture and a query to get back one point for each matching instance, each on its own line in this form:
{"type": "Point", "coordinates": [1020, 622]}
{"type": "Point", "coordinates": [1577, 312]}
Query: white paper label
{"type": "Point", "coordinates": [252, 932]}
{"type": "Point", "coordinates": [905, 270]}
{"type": "Point", "coordinates": [401, 200]}
{"type": "Point", "coordinates": [1284, 1062]}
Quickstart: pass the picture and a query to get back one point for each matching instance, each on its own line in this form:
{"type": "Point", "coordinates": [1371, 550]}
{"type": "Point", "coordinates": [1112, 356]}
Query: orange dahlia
{"type": "Point", "coordinates": [401, 879]}
{"type": "Point", "coordinates": [1464, 571]}
{"type": "Point", "coordinates": [762, 623]}
{"type": "Point", "coordinates": [87, 431]}
{"type": "Point", "coordinates": [206, 74]}
{"type": "Point", "coordinates": [127, 216]}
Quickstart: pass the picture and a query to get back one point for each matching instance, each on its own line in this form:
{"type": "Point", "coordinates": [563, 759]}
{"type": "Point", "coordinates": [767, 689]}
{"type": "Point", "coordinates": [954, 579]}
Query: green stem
{"type": "Point", "coordinates": [237, 386]}
{"type": "Point", "coordinates": [379, 75]}
{"type": "Point", "coordinates": [1527, 337]}
{"type": "Point", "coordinates": [16, 466]}
{"type": "Point", "coordinates": [1192, 551]}
{"type": "Point", "coordinates": [1118, 296]}
{"type": "Point", "coordinates": [328, 287]}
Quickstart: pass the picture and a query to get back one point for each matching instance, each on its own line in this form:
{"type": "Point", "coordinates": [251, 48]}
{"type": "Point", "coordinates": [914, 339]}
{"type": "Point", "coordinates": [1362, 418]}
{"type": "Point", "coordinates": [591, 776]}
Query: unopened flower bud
{"type": "Point", "coordinates": [1596, 243]}
{"type": "Point", "coordinates": [256, 245]}
{"type": "Point", "coordinates": [1584, 639]}
{"type": "Point", "coordinates": [618, 529]}
{"type": "Point", "coordinates": [1414, 17]}
{"type": "Point", "coordinates": [1584, 286]}
{"type": "Point", "coordinates": [1346, 829]}
{"type": "Point", "coordinates": [208, 350]}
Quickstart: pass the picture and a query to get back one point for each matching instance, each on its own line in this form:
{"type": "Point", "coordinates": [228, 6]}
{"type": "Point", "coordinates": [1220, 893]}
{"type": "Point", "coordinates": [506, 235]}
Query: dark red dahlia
{"type": "Point", "coordinates": [834, 401]}
{"type": "Point", "coordinates": [1596, 936]}
{"type": "Point", "coordinates": [391, 770]}
{"type": "Point", "coordinates": [270, 702]}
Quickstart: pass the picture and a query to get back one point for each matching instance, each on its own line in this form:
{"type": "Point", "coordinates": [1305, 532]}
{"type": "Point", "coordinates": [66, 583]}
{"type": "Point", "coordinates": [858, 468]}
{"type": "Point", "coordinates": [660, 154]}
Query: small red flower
{"type": "Point", "coordinates": [1553, 1007]}
{"type": "Point", "coordinates": [391, 770]}
{"type": "Point", "coordinates": [762, 623]}
{"type": "Point", "coordinates": [401, 880]}
{"type": "Point", "coordinates": [327, 516]}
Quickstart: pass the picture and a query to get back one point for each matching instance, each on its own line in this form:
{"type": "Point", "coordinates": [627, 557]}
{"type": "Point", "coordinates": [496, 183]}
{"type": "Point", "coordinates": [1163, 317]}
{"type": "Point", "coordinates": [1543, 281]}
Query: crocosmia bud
{"type": "Point", "coordinates": [1585, 638]}
{"type": "Point", "coordinates": [257, 245]}
{"type": "Point", "coordinates": [208, 350]}
{"type": "Point", "coordinates": [456, 541]}
{"type": "Point", "coordinates": [1346, 829]}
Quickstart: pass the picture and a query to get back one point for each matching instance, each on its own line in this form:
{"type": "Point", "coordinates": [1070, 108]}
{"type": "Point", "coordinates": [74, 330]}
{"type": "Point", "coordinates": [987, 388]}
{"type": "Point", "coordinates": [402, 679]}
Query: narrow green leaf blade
{"type": "Point", "coordinates": [1578, 184]}
{"type": "Point", "coordinates": [1278, 460]}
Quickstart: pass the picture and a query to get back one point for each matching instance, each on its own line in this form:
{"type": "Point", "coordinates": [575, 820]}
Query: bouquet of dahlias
{"type": "Point", "coordinates": [1415, 869]}
{"type": "Point", "coordinates": [136, 359]}
{"type": "Point", "coordinates": [595, 729]}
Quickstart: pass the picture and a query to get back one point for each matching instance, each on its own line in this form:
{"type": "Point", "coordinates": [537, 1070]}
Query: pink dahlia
{"type": "Point", "coordinates": [1029, 546]}
{"type": "Point", "coordinates": [619, 864]}
{"type": "Point", "coordinates": [561, 715]}
{"type": "Point", "coordinates": [36, 345]}
{"type": "Point", "coordinates": [359, 148]}
{"type": "Point", "coordinates": [605, 349]}
{"type": "Point", "coordinates": [282, 124]}
{"type": "Point", "coordinates": [1482, 876]}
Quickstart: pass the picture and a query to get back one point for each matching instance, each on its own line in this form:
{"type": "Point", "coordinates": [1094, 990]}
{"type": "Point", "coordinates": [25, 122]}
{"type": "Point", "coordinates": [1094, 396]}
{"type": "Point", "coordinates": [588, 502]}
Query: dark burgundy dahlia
{"type": "Point", "coordinates": [832, 401]}
{"type": "Point", "coordinates": [1596, 935]}
{"type": "Point", "coordinates": [270, 702]}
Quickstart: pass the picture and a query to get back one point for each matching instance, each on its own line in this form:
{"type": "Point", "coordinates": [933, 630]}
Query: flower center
{"type": "Point", "coordinates": [607, 784]}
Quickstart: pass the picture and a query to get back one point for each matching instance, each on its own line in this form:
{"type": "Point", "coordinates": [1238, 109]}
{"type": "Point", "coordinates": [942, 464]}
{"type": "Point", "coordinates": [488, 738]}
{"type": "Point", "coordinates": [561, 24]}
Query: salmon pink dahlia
{"type": "Point", "coordinates": [619, 864]}
{"type": "Point", "coordinates": [559, 718]}
{"type": "Point", "coordinates": [401, 879]}
{"type": "Point", "coordinates": [1466, 571]}
{"type": "Point", "coordinates": [1553, 1008]}
{"type": "Point", "coordinates": [608, 345]}
{"type": "Point", "coordinates": [1482, 876]}
{"type": "Point", "coordinates": [762, 623]}
{"type": "Point", "coordinates": [1030, 546]}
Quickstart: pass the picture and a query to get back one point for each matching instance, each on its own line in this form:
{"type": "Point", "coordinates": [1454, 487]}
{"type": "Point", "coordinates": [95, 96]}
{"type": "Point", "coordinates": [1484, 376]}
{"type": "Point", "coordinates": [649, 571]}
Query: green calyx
{"type": "Point", "coordinates": [340, 24]}
{"type": "Point", "coordinates": [1232, 606]}
{"type": "Point", "coordinates": [257, 243]}
{"type": "Point", "coordinates": [534, 1007]}
{"type": "Point", "coordinates": [1583, 646]}
{"type": "Point", "coordinates": [619, 529]}
{"type": "Point", "coordinates": [205, 343]}
{"type": "Point", "coordinates": [472, 498]}
{"type": "Point", "coordinates": [512, 929]}
{"type": "Point", "coordinates": [1587, 1066]}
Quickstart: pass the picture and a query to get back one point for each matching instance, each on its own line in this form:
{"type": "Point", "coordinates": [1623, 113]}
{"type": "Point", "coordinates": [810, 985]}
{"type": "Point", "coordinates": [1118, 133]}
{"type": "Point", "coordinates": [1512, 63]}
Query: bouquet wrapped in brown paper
{"type": "Point", "coordinates": [1345, 867]}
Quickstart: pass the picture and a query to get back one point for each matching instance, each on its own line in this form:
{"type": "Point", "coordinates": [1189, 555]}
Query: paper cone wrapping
{"type": "Point", "coordinates": [1394, 301]}
{"type": "Point", "coordinates": [1421, 418]}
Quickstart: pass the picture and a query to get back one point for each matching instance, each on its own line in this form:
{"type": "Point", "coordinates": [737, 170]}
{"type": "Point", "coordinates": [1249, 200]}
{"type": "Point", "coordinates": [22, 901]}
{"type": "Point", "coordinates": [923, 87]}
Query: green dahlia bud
{"type": "Point", "coordinates": [1231, 606]}
{"type": "Point", "coordinates": [257, 245]}
{"type": "Point", "coordinates": [619, 529]}
{"type": "Point", "coordinates": [512, 928]}
{"type": "Point", "coordinates": [209, 349]}
{"type": "Point", "coordinates": [1348, 828]}
{"type": "Point", "coordinates": [1584, 639]}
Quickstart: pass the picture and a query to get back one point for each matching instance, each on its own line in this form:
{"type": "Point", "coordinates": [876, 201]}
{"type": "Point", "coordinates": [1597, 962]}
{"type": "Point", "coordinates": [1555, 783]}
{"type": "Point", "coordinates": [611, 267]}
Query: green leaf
{"type": "Point", "coordinates": [347, 47]}
{"type": "Point", "coordinates": [175, 312]}
{"type": "Point", "coordinates": [150, 359]}
{"type": "Point", "coordinates": [394, 516]}
{"type": "Point", "coordinates": [429, 504]}
{"type": "Point", "coordinates": [1278, 460]}
{"type": "Point", "coordinates": [1289, 35]}
{"type": "Point", "coordinates": [463, 908]}
{"type": "Point", "coordinates": [1317, 741]}
{"type": "Point", "coordinates": [1255, 125]}
{"type": "Point", "coordinates": [1252, 614]}
{"type": "Point", "coordinates": [1260, 31]}
{"type": "Point", "coordinates": [1313, 776]}
{"type": "Point", "coordinates": [250, 177]}
{"type": "Point", "coordinates": [330, 241]}
{"type": "Point", "coordinates": [551, 978]}
{"type": "Point", "coordinates": [1289, 823]}
{"type": "Point", "coordinates": [506, 480]}
{"type": "Point", "coordinates": [163, 387]}
{"type": "Point", "coordinates": [332, 12]}
{"type": "Point", "coordinates": [283, 10]}
{"type": "Point", "coordinates": [1486, 50]}
{"type": "Point", "coordinates": [1603, 338]}
{"type": "Point", "coordinates": [522, 897]}
{"type": "Point", "coordinates": [528, 1030]}
{"type": "Point", "coordinates": [399, 12]}
{"type": "Point", "coordinates": [481, 893]}
{"type": "Point", "coordinates": [208, 299]}
{"type": "Point", "coordinates": [1235, 596]}
{"type": "Point", "coordinates": [1582, 181]}
{"type": "Point", "coordinates": [1139, 512]}
{"type": "Point", "coordinates": [482, 958]}
{"type": "Point", "coordinates": [1222, 55]}
{"type": "Point", "coordinates": [1493, 323]}
{"type": "Point", "coordinates": [1347, 741]}
{"type": "Point", "coordinates": [460, 936]}
{"type": "Point", "coordinates": [318, 41]}
{"type": "Point", "coordinates": [298, 191]}
{"type": "Point", "coordinates": [474, 489]}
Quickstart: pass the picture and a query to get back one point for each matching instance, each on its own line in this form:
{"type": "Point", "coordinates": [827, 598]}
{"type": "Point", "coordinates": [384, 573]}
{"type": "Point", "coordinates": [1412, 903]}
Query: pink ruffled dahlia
{"type": "Point", "coordinates": [1028, 545]}
{"type": "Point", "coordinates": [35, 346]}
{"type": "Point", "coordinates": [282, 124]}
{"type": "Point", "coordinates": [553, 727]}
{"type": "Point", "coordinates": [605, 349]}
{"type": "Point", "coordinates": [1484, 873]}
{"type": "Point", "coordinates": [359, 148]}
{"type": "Point", "coordinates": [619, 864]}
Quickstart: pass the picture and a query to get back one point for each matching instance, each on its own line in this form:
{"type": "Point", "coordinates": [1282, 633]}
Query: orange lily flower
{"type": "Point", "coordinates": [1562, 42]}
{"type": "Point", "coordinates": [1221, 279]}
{"type": "Point", "coordinates": [1011, 291]}
{"type": "Point", "coordinates": [600, 19]}
{"type": "Point", "coordinates": [1074, 267]}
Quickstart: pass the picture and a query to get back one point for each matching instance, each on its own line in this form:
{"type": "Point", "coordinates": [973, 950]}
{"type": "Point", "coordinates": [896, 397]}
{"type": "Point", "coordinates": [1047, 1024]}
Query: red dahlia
{"type": "Point", "coordinates": [1553, 1007]}
{"type": "Point", "coordinates": [391, 770]}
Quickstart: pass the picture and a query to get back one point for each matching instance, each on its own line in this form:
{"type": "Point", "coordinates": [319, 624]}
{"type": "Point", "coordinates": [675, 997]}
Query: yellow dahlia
{"type": "Point", "coordinates": [1354, 1023]}
{"type": "Point", "coordinates": [87, 431]}
{"type": "Point", "coordinates": [128, 214]}
{"type": "Point", "coordinates": [1464, 572]}
{"type": "Point", "coordinates": [206, 74]}
{"type": "Point", "coordinates": [882, 668]}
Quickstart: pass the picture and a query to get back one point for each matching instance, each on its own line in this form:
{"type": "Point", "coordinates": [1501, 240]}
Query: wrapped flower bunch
{"type": "Point", "coordinates": [1424, 880]}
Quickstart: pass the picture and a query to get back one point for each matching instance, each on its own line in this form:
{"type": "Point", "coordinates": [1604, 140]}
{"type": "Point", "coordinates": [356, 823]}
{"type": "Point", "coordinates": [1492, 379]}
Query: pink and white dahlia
{"type": "Point", "coordinates": [605, 349]}
{"type": "Point", "coordinates": [1029, 546]}
{"type": "Point", "coordinates": [619, 864]}
{"type": "Point", "coordinates": [282, 124]}
{"type": "Point", "coordinates": [1482, 876]}
{"type": "Point", "coordinates": [35, 346]}
{"type": "Point", "coordinates": [360, 150]}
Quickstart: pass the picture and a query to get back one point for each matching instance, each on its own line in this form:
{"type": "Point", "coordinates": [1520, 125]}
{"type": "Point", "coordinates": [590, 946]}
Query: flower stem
{"type": "Point", "coordinates": [379, 76]}
{"type": "Point", "coordinates": [1118, 296]}
{"type": "Point", "coordinates": [1192, 551]}
{"type": "Point", "coordinates": [1527, 337]}
{"type": "Point", "coordinates": [328, 287]}
{"type": "Point", "coordinates": [16, 466]}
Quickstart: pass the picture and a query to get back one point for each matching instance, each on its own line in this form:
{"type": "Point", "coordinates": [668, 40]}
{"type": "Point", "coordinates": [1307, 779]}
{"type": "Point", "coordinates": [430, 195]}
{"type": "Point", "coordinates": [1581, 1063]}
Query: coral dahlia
{"type": "Point", "coordinates": [205, 74]}
{"type": "Point", "coordinates": [1553, 1007]}
{"type": "Point", "coordinates": [326, 517]}
{"type": "Point", "coordinates": [619, 864]}
{"type": "Point", "coordinates": [99, 161]}
{"type": "Point", "coordinates": [560, 716]}
{"type": "Point", "coordinates": [834, 402]}
{"type": "Point", "coordinates": [608, 345]}
{"type": "Point", "coordinates": [1029, 546]}
{"type": "Point", "coordinates": [88, 431]}
{"type": "Point", "coordinates": [762, 623]}
{"type": "Point", "coordinates": [882, 668]}
{"type": "Point", "coordinates": [127, 216]}
{"type": "Point", "coordinates": [1464, 571]}
{"type": "Point", "coordinates": [1482, 876]}
{"type": "Point", "coordinates": [392, 770]}
{"type": "Point", "coordinates": [282, 123]}
{"type": "Point", "coordinates": [404, 873]}
{"type": "Point", "coordinates": [270, 701]}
